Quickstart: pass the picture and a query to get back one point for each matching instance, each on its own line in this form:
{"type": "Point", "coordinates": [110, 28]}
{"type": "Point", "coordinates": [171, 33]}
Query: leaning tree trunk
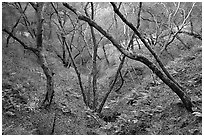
{"type": "Point", "coordinates": [112, 85]}
{"type": "Point", "coordinates": [76, 70]}
{"type": "Point", "coordinates": [185, 99]}
{"type": "Point", "coordinates": [116, 76]}
{"type": "Point", "coordinates": [169, 80]}
{"type": "Point", "coordinates": [116, 10]}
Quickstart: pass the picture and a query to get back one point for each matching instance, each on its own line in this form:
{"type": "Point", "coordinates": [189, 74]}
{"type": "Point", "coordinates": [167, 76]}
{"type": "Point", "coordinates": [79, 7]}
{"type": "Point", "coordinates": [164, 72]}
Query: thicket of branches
{"type": "Point", "coordinates": [81, 34]}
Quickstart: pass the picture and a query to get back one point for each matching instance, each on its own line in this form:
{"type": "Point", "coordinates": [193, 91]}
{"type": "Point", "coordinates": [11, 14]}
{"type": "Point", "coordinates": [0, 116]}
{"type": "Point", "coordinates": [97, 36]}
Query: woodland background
{"type": "Point", "coordinates": [102, 68]}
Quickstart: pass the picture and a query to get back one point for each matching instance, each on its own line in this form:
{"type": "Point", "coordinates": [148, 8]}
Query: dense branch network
{"type": "Point", "coordinates": [167, 80]}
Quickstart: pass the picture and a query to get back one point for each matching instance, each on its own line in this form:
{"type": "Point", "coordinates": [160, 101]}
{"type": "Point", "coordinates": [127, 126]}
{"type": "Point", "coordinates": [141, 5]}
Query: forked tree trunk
{"type": "Point", "coordinates": [39, 51]}
{"type": "Point", "coordinates": [49, 80]}
{"type": "Point", "coordinates": [94, 67]}
{"type": "Point", "coordinates": [41, 55]}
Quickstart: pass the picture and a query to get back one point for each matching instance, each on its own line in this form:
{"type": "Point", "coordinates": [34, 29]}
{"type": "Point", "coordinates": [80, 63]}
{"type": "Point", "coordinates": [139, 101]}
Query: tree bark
{"type": "Point", "coordinates": [41, 55]}
{"type": "Point", "coordinates": [94, 69]}
{"type": "Point", "coordinates": [94, 65]}
{"type": "Point", "coordinates": [49, 80]}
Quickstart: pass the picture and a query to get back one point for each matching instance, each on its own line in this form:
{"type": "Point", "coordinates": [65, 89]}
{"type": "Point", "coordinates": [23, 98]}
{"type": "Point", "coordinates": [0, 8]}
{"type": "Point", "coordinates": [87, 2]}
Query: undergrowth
{"type": "Point", "coordinates": [143, 106]}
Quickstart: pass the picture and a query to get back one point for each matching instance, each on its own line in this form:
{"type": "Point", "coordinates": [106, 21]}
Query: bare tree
{"type": "Point", "coordinates": [39, 50]}
{"type": "Point", "coordinates": [186, 100]}
{"type": "Point", "coordinates": [94, 65]}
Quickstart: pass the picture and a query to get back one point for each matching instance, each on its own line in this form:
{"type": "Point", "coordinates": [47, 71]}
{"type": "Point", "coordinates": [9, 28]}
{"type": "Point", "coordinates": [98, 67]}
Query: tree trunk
{"type": "Point", "coordinates": [94, 67]}
{"type": "Point", "coordinates": [94, 70]}
{"type": "Point", "coordinates": [50, 91]}
{"type": "Point", "coordinates": [112, 85]}
{"type": "Point", "coordinates": [41, 54]}
{"type": "Point", "coordinates": [39, 51]}
{"type": "Point", "coordinates": [185, 99]}
{"type": "Point", "coordinates": [49, 80]}
{"type": "Point", "coordinates": [76, 70]}
{"type": "Point", "coordinates": [89, 89]}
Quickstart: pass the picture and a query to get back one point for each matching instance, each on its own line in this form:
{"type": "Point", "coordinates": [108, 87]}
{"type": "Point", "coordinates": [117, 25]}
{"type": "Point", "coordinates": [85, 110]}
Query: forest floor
{"type": "Point", "coordinates": [141, 108]}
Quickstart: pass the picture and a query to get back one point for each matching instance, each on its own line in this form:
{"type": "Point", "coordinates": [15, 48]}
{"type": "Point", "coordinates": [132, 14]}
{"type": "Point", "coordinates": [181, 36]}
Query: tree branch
{"type": "Point", "coordinates": [76, 69]}
{"type": "Point", "coordinates": [33, 5]}
{"type": "Point", "coordinates": [193, 34]}
{"type": "Point", "coordinates": [34, 50]}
